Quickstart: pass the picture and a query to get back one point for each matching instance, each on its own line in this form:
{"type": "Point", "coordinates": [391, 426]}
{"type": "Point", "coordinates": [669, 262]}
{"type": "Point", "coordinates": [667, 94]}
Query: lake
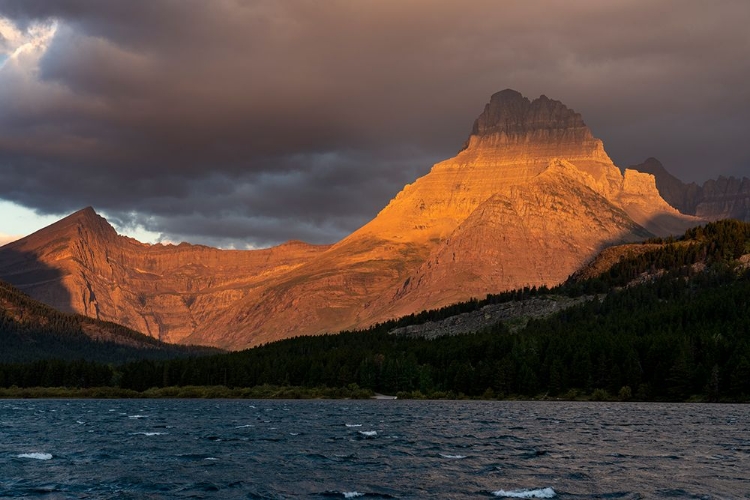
{"type": "Point", "coordinates": [372, 449]}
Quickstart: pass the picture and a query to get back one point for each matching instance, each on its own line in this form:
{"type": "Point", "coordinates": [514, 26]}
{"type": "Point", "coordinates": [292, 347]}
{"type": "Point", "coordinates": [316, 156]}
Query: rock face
{"type": "Point", "coordinates": [524, 134]}
{"type": "Point", "coordinates": [722, 198]}
{"type": "Point", "coordinates": [80, 264]}
{"type": "Point", "coordinates": [514, 314]}
{"type": "Point", "coordinates": [531, 234]}
{"type": "Point", "coordinates": [530, 198]}
{"type": "Point", "coordinates": [27, 322]}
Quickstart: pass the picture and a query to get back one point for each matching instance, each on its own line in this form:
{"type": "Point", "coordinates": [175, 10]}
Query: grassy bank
{"type": "Point", "coordinates": [188, 392]}
{"type": "Point", "coordinates": [278, 392]}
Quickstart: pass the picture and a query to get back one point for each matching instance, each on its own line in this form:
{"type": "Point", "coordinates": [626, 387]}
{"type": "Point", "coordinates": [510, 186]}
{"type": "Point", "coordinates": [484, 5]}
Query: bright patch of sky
{"type": "Point", "coordinates": [17, 221]}
{"type": "Point", "coordinates": [14, 42]}
{"type": "Point", "coordinates": [138, 232]}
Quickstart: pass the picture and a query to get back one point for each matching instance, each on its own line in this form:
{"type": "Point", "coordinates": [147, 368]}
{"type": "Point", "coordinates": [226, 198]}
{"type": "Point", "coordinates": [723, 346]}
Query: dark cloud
{"type": "Point", "coordinates": [233, 122]}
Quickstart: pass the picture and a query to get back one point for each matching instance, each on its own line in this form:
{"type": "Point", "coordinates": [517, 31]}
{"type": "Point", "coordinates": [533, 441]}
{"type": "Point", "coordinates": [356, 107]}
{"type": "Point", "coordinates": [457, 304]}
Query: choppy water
{"type": "Point", "coordinates": [388, 449]}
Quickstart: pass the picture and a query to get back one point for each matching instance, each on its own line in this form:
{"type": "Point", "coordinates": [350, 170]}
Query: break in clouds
{"type": "Point", "coordinates": [239, 123]}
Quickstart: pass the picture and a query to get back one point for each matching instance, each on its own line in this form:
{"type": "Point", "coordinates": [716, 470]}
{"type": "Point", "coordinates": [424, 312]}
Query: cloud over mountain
{"type": "Point", "coordinates": [236, 123]}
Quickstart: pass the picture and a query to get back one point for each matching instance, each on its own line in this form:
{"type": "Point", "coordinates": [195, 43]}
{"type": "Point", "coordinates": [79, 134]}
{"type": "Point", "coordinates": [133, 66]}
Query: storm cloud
{"type": "Point", "coordinates": [240, 123]}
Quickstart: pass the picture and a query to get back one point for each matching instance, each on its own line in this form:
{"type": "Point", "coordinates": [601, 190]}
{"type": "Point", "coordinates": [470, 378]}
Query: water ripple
{"type": "Point", "coordinates": [372, 449]}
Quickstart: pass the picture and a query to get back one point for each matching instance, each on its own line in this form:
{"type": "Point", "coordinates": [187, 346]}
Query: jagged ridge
{"type": "Point", "coordinates": [715, 199]}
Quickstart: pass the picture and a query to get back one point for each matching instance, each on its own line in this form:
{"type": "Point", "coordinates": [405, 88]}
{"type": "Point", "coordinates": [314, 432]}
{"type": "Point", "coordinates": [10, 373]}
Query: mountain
{"type": "Point", "coordinates": [80, 264]}
{"type": "Point", "coordinates": [668, 320]}
{"type": "Point", "coordinates": [31, 330]}
{"type": "Point", "coordinates": [516, 152]}
{"type": "Point", "coordinates": [721, 198]}
{"type": "Point", "coordinates": [512, 238]}
{"type": "Point", "coordinates": [530, 198]}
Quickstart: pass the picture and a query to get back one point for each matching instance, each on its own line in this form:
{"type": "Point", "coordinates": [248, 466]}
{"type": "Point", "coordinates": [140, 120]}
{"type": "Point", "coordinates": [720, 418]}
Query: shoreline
{"type": "Point", "coordinates": [291, 393]}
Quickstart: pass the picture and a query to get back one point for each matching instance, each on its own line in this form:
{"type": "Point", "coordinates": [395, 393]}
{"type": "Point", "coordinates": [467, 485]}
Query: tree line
{"type": "Point", "coordinates": [31, 330]}
{"type": "Point", "coordinates": [681, 332]}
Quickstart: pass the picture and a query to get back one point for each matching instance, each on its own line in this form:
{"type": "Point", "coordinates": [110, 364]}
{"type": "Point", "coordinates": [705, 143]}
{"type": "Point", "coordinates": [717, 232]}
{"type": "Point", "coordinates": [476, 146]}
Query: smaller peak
{"type": "Point", "coordinates": [653, 166]}
{"type": "Point", "coordinates": [89, 218]}
{"type": "Point", "coordinates": [70, 226]}
{"type": "Point", "coordinates": [650, 166]}
{"type": "Point", "coordinates": [84, 214]}
{"type": "Point", "coordinates": [507, 94]}
{"type": "Point", "coordinates": [87, 212]}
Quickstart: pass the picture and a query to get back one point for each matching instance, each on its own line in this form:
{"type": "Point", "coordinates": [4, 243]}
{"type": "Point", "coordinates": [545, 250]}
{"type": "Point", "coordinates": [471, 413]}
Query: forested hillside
{"type": "Point", "coordinates": [30, 330]}
{"type": "Point", "coordinates": [669, 324]}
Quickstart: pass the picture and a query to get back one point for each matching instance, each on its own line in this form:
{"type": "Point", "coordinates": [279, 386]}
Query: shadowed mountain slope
{"type": "Point", "coordinates": [715, 199]}
{"type": "Point", "coordinates": [30, 330]}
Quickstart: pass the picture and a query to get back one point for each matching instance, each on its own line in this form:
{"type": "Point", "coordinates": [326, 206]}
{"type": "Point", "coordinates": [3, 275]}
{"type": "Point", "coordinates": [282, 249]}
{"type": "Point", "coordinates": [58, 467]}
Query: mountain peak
{"type": "Point", "coordinates": [506, 97]}
{"type": "Point", "coordinates": [85, 220]}
{"type": "Point", "coordinates": [653, 166]}
{"type": "Point", "coordinates": [88, 217]}
{"type": "Point", "coordinates": [87, 213]}
{"type": "Point", "coordinates": [510, 113]}
{"type": "Point", "coordinates": [533, 187]}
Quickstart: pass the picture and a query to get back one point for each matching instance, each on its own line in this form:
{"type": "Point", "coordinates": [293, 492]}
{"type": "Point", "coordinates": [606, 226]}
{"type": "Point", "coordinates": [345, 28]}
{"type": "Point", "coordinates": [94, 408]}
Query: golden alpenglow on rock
{"type": "Point", "coordinates": [530, 198]}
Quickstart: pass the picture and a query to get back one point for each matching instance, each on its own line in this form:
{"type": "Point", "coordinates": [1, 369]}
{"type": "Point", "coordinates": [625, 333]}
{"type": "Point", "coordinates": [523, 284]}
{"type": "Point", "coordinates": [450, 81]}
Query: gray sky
{"type": "Point", "coordinates": [232, 123]}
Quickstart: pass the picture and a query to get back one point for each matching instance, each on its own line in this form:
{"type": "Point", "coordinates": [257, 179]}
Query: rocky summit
{"type": "Point", "coordinates": [530, 198]}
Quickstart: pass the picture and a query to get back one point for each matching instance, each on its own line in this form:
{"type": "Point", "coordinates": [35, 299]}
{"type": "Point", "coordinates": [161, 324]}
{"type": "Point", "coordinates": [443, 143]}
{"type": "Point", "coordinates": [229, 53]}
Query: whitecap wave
{"type": "Point", "coordinates": [137, 416]}
{"type": "Point", "coordinates": [444, 455]}
{"type": "Point", "coordinates": [354, 425]}
{"type": "Point", "coordinates": [369, 433]}
{"type": "Point", "coordinates": [36, 456]}
{"type": "Point", "coordinates": [148, 433]}
{"type": "Point", "coordinates": [211, 458]}
{"type": "Point", "coordinates": [537, 493]}
{"type": "Point", "coordinates": [244, 426]}
{"type": "Point", "coordinates": [353, 494]}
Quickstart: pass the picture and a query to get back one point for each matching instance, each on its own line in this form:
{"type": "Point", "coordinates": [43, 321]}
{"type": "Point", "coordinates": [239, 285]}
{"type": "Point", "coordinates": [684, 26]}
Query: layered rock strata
{"type": "Point", "coordinates": [530, 198]}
